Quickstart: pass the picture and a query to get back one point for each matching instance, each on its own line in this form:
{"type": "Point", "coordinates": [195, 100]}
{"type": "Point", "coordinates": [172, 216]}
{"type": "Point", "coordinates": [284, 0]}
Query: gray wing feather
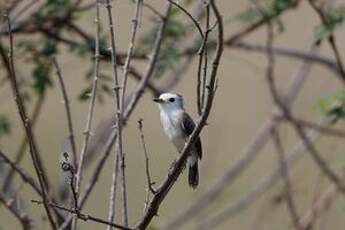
{"type": "Point", "coordinates": [188, 126]}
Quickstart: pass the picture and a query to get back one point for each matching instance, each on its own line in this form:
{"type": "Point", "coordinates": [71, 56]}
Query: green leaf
{"type": "Point", "coordinates": [250, 15]}
{"type": "Point", "coordinates": [88, 47]}
{"type": "Point", "coordinates": [53, 8]}
{"type": "Point", "coordinates": [334, 19]}
{"type": "Point", "coordinates": [175, 29]}
{"type": "Point", "coordinates": [326, 101]}
{"type": "Point", "coordinates": [5, 126]}
{"type": "Point", "coordinates": [333, 104]}
{"type": "Point", "coordinates": [169, 54]}
{"type": "Point", "coordinates": [175, 11]}
{"type": "Point", "coordinates": [85, 94]}
{"type": "Point", "coordinates": [41, 79]}
{"type": "Point", "coordinates": [81, 49]}
{"type": "Point", "coordinates": [49, 47]}
{"type": "Point", "coordinates": [281, 5]}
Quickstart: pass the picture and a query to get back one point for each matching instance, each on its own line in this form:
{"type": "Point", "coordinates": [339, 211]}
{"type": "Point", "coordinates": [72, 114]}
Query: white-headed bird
{"type": "Point", "coordinates": [178, 125]}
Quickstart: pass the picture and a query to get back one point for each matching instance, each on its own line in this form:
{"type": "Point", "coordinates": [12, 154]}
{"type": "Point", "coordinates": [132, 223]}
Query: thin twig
{"type": "Point", "coordinates": [22, 217]}
{"type": "Point", "coordinates": [150, 184]}
{"type": "Point", "coordinates": [322, 129]}
{"type": "Point", "coordinates": [87, 131]}
{"type": "Point", "coordinates": [164, 188]}
{"type": "Point", "coordinates": [26, 177]}
{"type": "Point", "coordinates": [135, 22]}
{"type": "Point", "coordinates": [68, 112]}
{"type": "Point", "coordinates": [66, 166]}
{"type": "Point", "coordinates": [331, 38]}
{"type": "Point", "coordinates": [289, 52]}
{"type": "Point", "coordinates": [275, 132]}
{"type": "Point", "coordinates": [37, 162]}
{"type": "Point", "coordinates": [20, 153]}
{"type": "Point", "coordinates": [195, 22]}
{"type": "Point", "coordinates": [81, 216]}
{"type": "Point", "coordinates": [139, 90]}
{"type": "Point", "coordinates": [153, 10]}
{"type": "Point", "coordinates": [201, 80]}
{"type": "Point", "coordinates": [286, 178]}
{"type": "Point", "coordinates": [207, 31]}
{"type": "Point", "coordinates": [321, 205]}
{"type": "Point", "coordinates": [147, 166]}
{"type": "Point", "coordinates": [118, 124]}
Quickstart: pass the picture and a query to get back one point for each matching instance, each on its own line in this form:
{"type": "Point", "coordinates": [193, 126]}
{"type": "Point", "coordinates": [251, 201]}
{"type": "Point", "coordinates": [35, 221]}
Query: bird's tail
{"type": "Point", "coordinates": [193, 175]}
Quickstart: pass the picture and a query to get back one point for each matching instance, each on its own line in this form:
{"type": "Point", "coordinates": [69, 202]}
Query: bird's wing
{"type": "Point", "coordinates": [188, 127]}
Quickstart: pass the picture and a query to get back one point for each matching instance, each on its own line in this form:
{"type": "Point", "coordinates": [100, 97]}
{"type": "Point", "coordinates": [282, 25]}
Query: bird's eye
{"type": "Point", "coordinates": [172, 99]}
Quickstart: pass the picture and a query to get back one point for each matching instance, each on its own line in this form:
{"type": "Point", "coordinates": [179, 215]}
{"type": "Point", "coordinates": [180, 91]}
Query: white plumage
{"type": "Point", "coordinates": [178, 125]}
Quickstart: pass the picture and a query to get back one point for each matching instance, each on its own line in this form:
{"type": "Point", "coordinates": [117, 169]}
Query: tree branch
{"type": "Point", "coordinates": [171, 178]}
{"type": "Point", "coordinates": [37, 162]}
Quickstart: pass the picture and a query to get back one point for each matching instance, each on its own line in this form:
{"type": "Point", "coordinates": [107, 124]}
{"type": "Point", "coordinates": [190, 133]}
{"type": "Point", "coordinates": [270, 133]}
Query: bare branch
{"type": "Point", "coordinates": [201, 80]}
{"type": "Point", "coordinates": [289, 52]}
{"type": "Point", "coordinates": [275, 133]}
{"type": "Point", "coordinates": [320, 206]}
{"type": "Point", "coordinates": [135, 22]}
{"type": "Point", "coordinates": [286, 178]}
{"type": "Point", "coordinates": [87, 131]}
{"type": "Point", "coordinates": [147, 166]}
{"type": "Point", "coordinates": [68, 112]}
{"type": "Point", "coordinates": [118, 124]}
{"type": "Point", "coordinates": [20, 153]}
{"type": "Point", "coordinates": [37, 162]}
{"type": "Point", "coordinates": [26, 177]}
{"type": "Point", "coordinates": [165, 187]}
{"type": "Point", "coordinates": [22, 217]}
{"type": "Point", "coordinates": [322, 129]}
{"type": "Point", "coordinates": [84, 217]}
{"type": "Point", "coordinates": [195, 22]}
{"type": "Point", "coordinates": [331, 38]}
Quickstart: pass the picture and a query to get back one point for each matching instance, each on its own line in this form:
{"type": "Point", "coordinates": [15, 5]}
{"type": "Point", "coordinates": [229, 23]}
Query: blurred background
{"type": "Point", "coordinates": [242, 105]}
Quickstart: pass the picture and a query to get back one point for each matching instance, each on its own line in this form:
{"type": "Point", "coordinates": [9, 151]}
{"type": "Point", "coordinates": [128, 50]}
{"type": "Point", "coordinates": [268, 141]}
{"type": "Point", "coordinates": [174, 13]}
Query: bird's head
{"type": "Point", "coordinates": [169, 102]}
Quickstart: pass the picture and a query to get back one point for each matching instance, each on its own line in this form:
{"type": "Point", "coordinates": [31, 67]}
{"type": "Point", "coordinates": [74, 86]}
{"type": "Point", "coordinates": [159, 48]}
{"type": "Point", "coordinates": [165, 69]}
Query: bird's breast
{"type": "Point", "coordinates": [173, 129]}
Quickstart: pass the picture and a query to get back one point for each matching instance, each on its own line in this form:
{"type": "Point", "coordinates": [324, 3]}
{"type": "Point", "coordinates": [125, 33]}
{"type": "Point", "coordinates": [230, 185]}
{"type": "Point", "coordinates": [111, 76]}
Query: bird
{"type": "Point", "coordinates": [178, 126]}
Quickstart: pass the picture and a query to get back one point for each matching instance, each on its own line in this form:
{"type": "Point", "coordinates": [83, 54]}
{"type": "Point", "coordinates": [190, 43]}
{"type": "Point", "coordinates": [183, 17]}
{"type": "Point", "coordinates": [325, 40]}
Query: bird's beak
{"type": "Point", "coordinates": [158, 100]}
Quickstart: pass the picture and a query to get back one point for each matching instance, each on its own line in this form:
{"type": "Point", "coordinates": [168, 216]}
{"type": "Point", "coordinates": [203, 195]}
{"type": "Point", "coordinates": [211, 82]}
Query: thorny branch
{"type": "Point", "coordinates": [68, 112]}
{"type": "Point", "coordinates": [144, 81]}
{"type": "Point", "coordinates": [147, 160]}
{"type": "Point", "coordinates": [37, 162]}
{"type": "Point", "coordinates": [162, 191]}
{"type": "Point", "coordinates": [130, 105]}
{"type": "Point", "coordinates": [23, 174]}
{"type": "Point", "coordinates": [87, 131]}
{"type": "Point", "coordinates": [118, 126]}
{"type": "Point", "coordinates": [201, 80]}
{"type": "Point", "coordinates": [83, 216]}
